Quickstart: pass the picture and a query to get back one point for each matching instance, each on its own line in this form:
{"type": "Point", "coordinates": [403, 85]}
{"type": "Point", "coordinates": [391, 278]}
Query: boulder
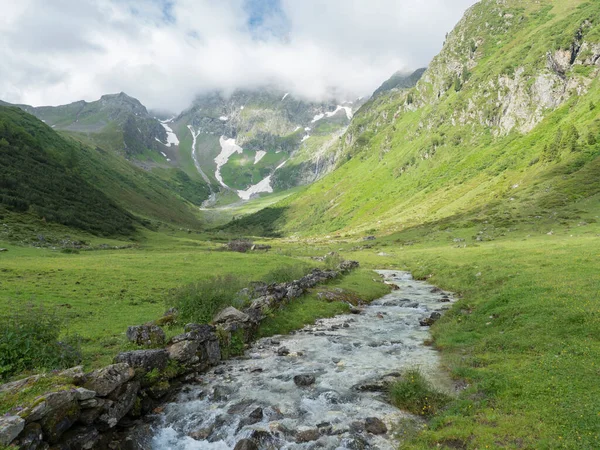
{"type": "Point", "coordinates": [347, 266]}
{"type": "Point", "coordinates": [92, 409]}
{"type": "Point", "coordinates": [283, 351]}
{"type": "Point", "coordinates": [246, 444]}
{"type": "Point", "coordinates": [10, 428]}
{"type": "Point", "coordinates": [201, 333]}
{"type": "Point", "coordinates": [123, 400]}
{"type": "Point", "coordinates": [30, 438]}
{"type": "Point", "coordinates": [428, 321]}
{"type": "Point", "coordinates": [48, 405]}
{"type": "Point", "coordinates": [230, 314]}
{"type": "Point", "coordinates": [374, 425]}
{"type": "Point", "coordinates": [145, 359]}
{"type": "Point", "coordinates": [149, 335]}
{"type": "Point", "coordinates": [81, 438]}
{"type": "Point", "coordinates": [304, 380]}
{"type": "Point", "coordinates": [307, 436]}
{"type": "Point", "coordinates": [183, 351]}
{"type": "Point", "coordinates": [211, 352]}
{"type": "Point", "coordinates": [106, 380]}
{"type": "Point", "coordinates": [62, 413]}
{"type": "Point", "coordinates": [83, 394]}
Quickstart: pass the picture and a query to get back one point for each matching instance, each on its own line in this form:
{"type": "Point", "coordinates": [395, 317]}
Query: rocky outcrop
{"type": "Point", "coordinates": [146, 335]}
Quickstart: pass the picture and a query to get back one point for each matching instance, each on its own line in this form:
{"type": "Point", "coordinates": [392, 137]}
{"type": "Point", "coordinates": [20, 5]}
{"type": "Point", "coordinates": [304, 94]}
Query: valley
{"type": "Point", "coordinates": [472, 186]}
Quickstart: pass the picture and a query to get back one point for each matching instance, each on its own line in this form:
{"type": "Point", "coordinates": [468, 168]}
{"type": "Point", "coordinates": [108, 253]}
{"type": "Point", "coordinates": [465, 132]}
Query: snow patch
{"type": "Point", "coordinates": [164, 154]}
{"type": "Point", "coordinates": [224, 118]}
{"type": "Point", "coordinates": [171, 136]}
{"type": "Point", "coordinates": [347, 110]}
{"type": "Point", "coordinates": [317, 118]}
{"type": "Point", "coordinates": [228, 148]}
{"type": "Point", "coordinates": [263, 186]}
{"type": "Point", "coordinates": [305, 137]}
{"type": "Point", "coordinates": [307, 129]}
{"type": "Point", "coordinates": [259, 155]}
{"type": "Point", "coordinates": [284, 97]}
{"type": "Point", "coordinates": [297, 128]}
{"type": "Point", "coordinates": [242, 108]}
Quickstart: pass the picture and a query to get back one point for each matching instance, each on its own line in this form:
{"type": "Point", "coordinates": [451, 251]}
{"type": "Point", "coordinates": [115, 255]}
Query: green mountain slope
{"type": "Point", "coordinates": [503, 125]}
{"type": "Point", "coordinates": [40, 175]}
{"type": "Point", "coordinates": [165, 195]}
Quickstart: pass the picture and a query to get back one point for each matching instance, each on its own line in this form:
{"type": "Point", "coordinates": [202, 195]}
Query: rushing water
{"type": "Point", "coordinates": [256, 396]}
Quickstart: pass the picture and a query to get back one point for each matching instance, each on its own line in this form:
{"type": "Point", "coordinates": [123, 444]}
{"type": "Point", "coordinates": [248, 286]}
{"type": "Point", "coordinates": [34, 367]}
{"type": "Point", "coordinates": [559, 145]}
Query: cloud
{"type": "Point", "coordinates": [165, 52]}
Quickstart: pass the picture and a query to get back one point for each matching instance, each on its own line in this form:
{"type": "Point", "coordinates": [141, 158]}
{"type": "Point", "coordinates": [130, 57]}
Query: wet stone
{"type": "Point", "coordinates": [304, 380]}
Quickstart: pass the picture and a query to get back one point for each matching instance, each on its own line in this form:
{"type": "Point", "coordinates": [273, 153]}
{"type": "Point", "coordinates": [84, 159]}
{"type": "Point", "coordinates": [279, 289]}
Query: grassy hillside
{"type": "Point", "coordinates": [504, 123]}
{"type": "Point", "coordinates": [40, 175]}
{"type": "Point", "coordinates": [74, 182]}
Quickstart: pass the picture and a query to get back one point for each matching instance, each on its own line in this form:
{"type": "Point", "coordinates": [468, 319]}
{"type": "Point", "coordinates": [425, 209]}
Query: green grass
{"type": "Point", "coordinates": [101, 293]}
{"type": "Point", "coordinates": [524, 334]}
{"type": "Point", "coordinates": [415, 394]}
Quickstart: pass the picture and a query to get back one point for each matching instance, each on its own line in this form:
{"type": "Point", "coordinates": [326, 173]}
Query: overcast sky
{"type": "Point", "coordinates": [165, 52]}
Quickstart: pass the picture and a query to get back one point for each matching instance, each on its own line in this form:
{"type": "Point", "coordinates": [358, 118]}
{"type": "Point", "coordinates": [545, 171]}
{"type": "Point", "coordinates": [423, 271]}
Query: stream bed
{"type": "Point", "coordinates": [313, 388]}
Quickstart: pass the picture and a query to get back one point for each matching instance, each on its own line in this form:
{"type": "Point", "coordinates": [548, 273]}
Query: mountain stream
{"type": "Point", "coordinates": [260, 395]}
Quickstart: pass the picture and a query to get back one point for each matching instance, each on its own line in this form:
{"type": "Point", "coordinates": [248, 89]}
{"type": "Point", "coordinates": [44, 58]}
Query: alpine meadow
{"type": "Point", "coordinates": [300, 259]}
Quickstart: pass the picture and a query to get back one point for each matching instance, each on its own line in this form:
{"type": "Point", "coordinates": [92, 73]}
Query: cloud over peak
{"type": "Point", "coordinates": [165, 52]}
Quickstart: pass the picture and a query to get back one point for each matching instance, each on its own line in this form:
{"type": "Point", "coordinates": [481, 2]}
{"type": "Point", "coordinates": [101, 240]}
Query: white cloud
{"type": "Point", "coordinates": [65, 50]}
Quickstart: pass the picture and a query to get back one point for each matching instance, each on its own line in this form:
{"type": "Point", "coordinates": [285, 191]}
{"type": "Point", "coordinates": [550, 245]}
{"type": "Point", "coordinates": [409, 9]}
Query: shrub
{"type": "Point", "coordinates": [199, 302]}
{"type": "Point", "coordinates": [416, 395]}
{"type": "Point", "coordinates": [286, 273]}
{"type": "Point", "coordinates": [333, 260]}
{"type": "Point", "coordinates": [29, 339]}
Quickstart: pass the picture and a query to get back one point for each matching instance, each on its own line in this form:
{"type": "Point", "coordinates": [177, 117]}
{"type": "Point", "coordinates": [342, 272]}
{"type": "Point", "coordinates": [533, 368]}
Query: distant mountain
{"type": "Point", "coordinates": [117, 122]}
{"type": "Point", "coordinates": [257, 141]}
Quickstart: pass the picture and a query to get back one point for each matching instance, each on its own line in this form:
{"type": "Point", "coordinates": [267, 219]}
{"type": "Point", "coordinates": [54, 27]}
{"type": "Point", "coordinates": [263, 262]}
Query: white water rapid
{"type": "Point", "coordinates": [255, 396]}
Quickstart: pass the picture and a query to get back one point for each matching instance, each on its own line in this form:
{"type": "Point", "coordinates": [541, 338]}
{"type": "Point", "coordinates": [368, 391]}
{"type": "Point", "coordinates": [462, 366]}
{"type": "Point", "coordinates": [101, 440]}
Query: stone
{"type": "Point", "coordinates": [230, 314]}
{"type": "Point", "coordinates": [374, 425]}
{"type": "Point", "coordinates": [144, 359]}
{"type": "Point", "coordinates": [3, 249]}
{"type": "Point", "coordinates": [84, 394]}
{"type": "Point", "coordinates": [369, 238]}
{"type": "Point", "coordinates": [149, 335]}
{"type": "Point", "coordinates": [106, 380]}
{"type": "Point", "coordinates": [355, 310]}
{"type": "Point", "coordinates": [283, 351]}
{"type": "Point", "coordinates": [89, 414]}
{"type": "Point", "coordinates": [428, 321]}
{"type": "Point", "coordinates": [307, 436]}
{"type": "Point", "coordinates": [246, 444]}
{"type": "Point", "coordinates": [30, 438]}
{"type": "Point", "coordinates": [63, 412]}
{"type": "Point", "coordinates": [123, 400]}
{"type": "Point", "coordinates": [201, 434]}
{"type": "Point", "coordinates": [10, 428]}
{"type": "Point", "coordinates": [184, 351]}
{"type": "Point", "coordinates": [81, 438]}
{"type": "Point", "coordinates": [256, 414]}
{"type": "Point", "coordinates": [304, 380]}
{"type": "Point", "coordinates": [221, 393]}
{"type": "Point", "coordinates": [47, 405]}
